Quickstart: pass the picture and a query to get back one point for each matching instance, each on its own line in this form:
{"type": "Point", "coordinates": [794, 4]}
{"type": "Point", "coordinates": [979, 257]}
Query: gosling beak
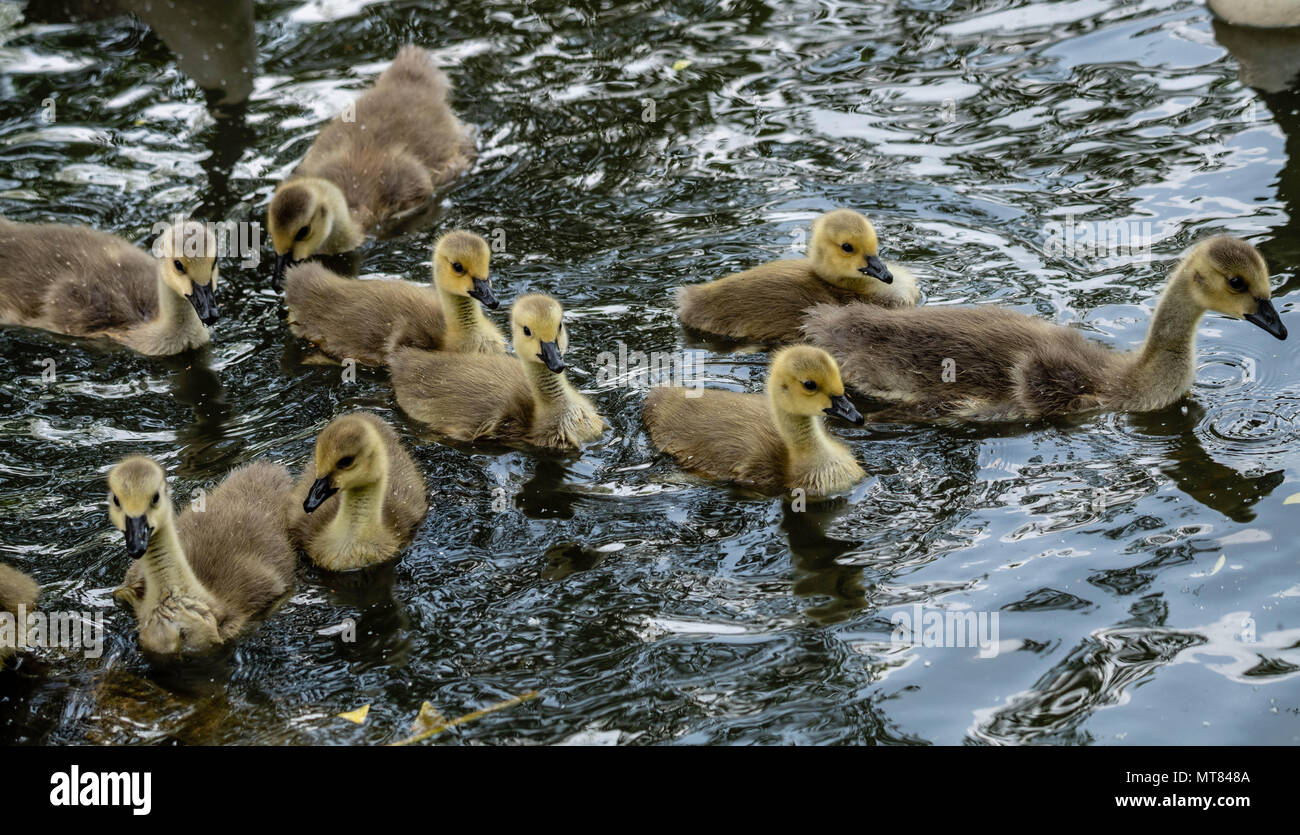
{"type": "Point", "coordinates": [205, 302]}
{"type": "Point", "coordinates": [282, 263]}
{"type": "Point", "coordinates": [1266, 317]}
{"type": "Point", "coordinates": [842, 407]}
{"type": "Point", "coordinates": [137, 536]}
{"type": "Point", "coordinates": [877, 269]}
{"type": "Point", "coordinates": [483, 292]}
{"type": "Point", "coordinates": [551, 356]}
{"type": "Point", "coordinates": [320, 491]}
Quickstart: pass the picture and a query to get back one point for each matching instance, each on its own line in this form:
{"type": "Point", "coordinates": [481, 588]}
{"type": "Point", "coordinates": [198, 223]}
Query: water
{"type": "Point", "coordinates": [646, 606]}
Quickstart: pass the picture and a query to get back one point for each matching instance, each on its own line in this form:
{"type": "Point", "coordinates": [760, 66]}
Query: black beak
{"type": "Point", "coordinates": [842, 407]}
{"type": "Point", "coordinates": [320, 491]}
{"type": "Point", "coordinates": [1266, 317]}
{"type": "Point", "coordinates": [137, 536]}
{"type": "Point", "coordinates": [877, 269]}
{"type": "Point", "coordinates": [483, 292]}
{"type": "Point", "coordinates": [551, 356]}
{"type": "Point", "coordinates": [205, 302]}
{"type": "Point", "coordinates": [282, 263]}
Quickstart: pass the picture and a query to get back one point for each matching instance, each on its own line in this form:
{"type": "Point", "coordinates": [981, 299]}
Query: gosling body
{"type": "Point", "coordinates": [361, 497]}
{"type": "Point", "coordinates": [986, 363]}
{"type": "Point", "coordinates": [523, 400]}
{"type": "Point", "coordinates": [17, 590]}
{"type": "Point", "coordinates": [201, 579]}
{"type": "Point", "coordinates": [766, 304]}
{"type": "Point", "coordinates": [86, 283]}
{"type": "Point", "coordinates": [367, 320]}
{"type": "Point", "coordinates": [380, 161]}
{"type": "Point", "coordinates": [769, 441]}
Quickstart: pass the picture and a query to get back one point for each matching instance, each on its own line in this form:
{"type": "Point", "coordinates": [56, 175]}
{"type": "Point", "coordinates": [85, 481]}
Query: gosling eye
{"type": "Point", "coordinates": [457, 266]}
{"type": "Point", "coordinates": [116, 503]}
{"type": "Point", "coordinates": [345, 462]}
{"type": "Point", "coordinates": [809, 384]}
{"type": "Point", "coordinates": [1237, 283]}
{"type": "Point", "coordinates": [527, 331]}
{"type": "Point", "coordinates": [180, 268]}
{"type": "Point", "coordinates": [155, 497]}
{"type": "Point", "coordinates": [847, 247]}
{"type": "Point", "coordinates": [302, 234]}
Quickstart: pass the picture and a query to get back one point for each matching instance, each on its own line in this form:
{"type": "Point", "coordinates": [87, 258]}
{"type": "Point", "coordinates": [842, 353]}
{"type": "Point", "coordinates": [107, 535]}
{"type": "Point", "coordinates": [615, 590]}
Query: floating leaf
{"type": "Point", "coordinates": [359, 715]}
{"type": "Point", "coordinates": [428, 719]}
{"type": "Point", "coordinates": [1219, 565]}
{"type": "Point", "coordinates": [1292, 499]}
{"type": "Point", "coordinates": [681, 64]}
{"type": "Point", "coordinates": [468, 717]}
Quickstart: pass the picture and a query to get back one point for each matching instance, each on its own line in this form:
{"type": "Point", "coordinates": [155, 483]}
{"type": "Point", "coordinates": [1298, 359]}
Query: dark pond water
{"type": "Point", "coordinates": [645, 606]}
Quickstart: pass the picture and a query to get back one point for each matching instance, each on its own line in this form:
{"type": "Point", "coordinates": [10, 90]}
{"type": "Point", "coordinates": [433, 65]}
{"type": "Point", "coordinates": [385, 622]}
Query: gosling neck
{"type": "Point", "coordinates": [361, 510]}
{"type": "Point", "coordinates": [177, 320]}
{"type": "Point", "coordinates": [805, 436]}
{"type": "Point", "coordinates": [1166, 364]}
{"type": "Point", "coordinates": [167, 571]}
{"type": "Point", "coordinates": [551, 391]}
{"type": "Point", "coordinates": [346, 233]}
{"type": "Point", "coordinates": [466, 324]}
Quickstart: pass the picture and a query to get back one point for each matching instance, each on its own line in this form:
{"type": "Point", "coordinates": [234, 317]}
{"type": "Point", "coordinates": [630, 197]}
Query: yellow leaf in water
{"type": "Point", "coordinates": [428, 719]}
{"type": "Point", "coordinates": [1218, 565]}
{"type": "Point", "coordinates": [1292, 499]}
{"type": "Point", "coordinates": [359, 715]}
{"type": "Point", "coordinates": [681, 64]}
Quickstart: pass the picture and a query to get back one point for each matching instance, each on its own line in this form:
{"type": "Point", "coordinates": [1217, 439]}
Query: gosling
{"type": "Point", "coordinates": [366, 320]}
{"type": "Point", "coordinates": [528, 400]}
{"type": "Point", "coordinates": [765, 442]}
{"type": "Point", "coordinates": [379, 162]}
{"type": "Point", "coordinates": [985, 363]}
{"type": "Point", "coordinates": [199, 581]}
{"type": "Point", "coordinates": [765, 304]}
{"type": "Point", "coordinates": [82, 282]}
{"type": "Point", "coordinates": [17, 590]}
{"type": "Point", "coordinates": [380, 496]}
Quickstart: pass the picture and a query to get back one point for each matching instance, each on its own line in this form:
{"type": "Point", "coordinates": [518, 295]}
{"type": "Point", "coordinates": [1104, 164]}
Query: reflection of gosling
{"type": "Point", "coordinates": [366, 320]}
{"type": "Point", "coordinates": [766, 303]}
{"type": "Point", "coordinates": [382, 159]}
{"type": "Point", "coordinates": [770, 441]}
{"type": "Point", "coordinates": [197, 581]}
{"type": "Point", "coordinates": [1264, 37]}
{"type": "Point", "coordinates": [526, 400]}
{"type": "Point", "coordinates": [380, 497]}
{"type": "Point", "coordinates": [82, 282]}
{"type": "Point", "coordinates": [16, 589]}
{"type": "Point", "coordinates": [993, 364]}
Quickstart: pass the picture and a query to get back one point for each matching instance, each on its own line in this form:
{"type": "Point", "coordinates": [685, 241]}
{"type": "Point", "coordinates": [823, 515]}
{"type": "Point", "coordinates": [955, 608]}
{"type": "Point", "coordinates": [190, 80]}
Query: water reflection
{"type": "Point", "coordinates": [817, 572]}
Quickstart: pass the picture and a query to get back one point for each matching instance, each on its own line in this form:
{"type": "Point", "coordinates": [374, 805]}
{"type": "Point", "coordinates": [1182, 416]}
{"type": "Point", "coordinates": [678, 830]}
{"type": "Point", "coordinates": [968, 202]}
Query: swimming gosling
{"type": "Point", "coordinates": [366, 320]}
{"type": "Point", "coordinates": [83, 282]}
{"type": "Point", "coordinates": [381, 160]}
{"type": "Point", "coordinates": [198, 581]}
{"type": "Point", "coordinates": [523, 400]}
{"type": "Point", "coordinates": [767, 442]}
{"type": "Point", "coordinates": [984, 363]}
{"type": "Point", "coordinates": [361, 497]}
{"type": "Point", "coordinates": [16, 590]}
{"type": "Point", "coordinates": [766, 304]}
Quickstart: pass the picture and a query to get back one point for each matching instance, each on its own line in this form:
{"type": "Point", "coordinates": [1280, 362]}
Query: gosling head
{"type": "Point", "coordinates": [138, 501]}
{"type": "Point", "coordinates": [805, 381]}
{"type": "Point", "coordinates": [1229, 276]}
{"type": "Point", "coordinates": [187, 254]}
{"type": "Point", "coordinates": [460, 267]}
{"type": "Point", "coordinates": [537, 330]}
{"type": "Point", "coordinates": [300, 218]}
{"type": "Point", "coordinates": [844, 249]}
{"type": "Point", "coordinates": [349, 455]}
